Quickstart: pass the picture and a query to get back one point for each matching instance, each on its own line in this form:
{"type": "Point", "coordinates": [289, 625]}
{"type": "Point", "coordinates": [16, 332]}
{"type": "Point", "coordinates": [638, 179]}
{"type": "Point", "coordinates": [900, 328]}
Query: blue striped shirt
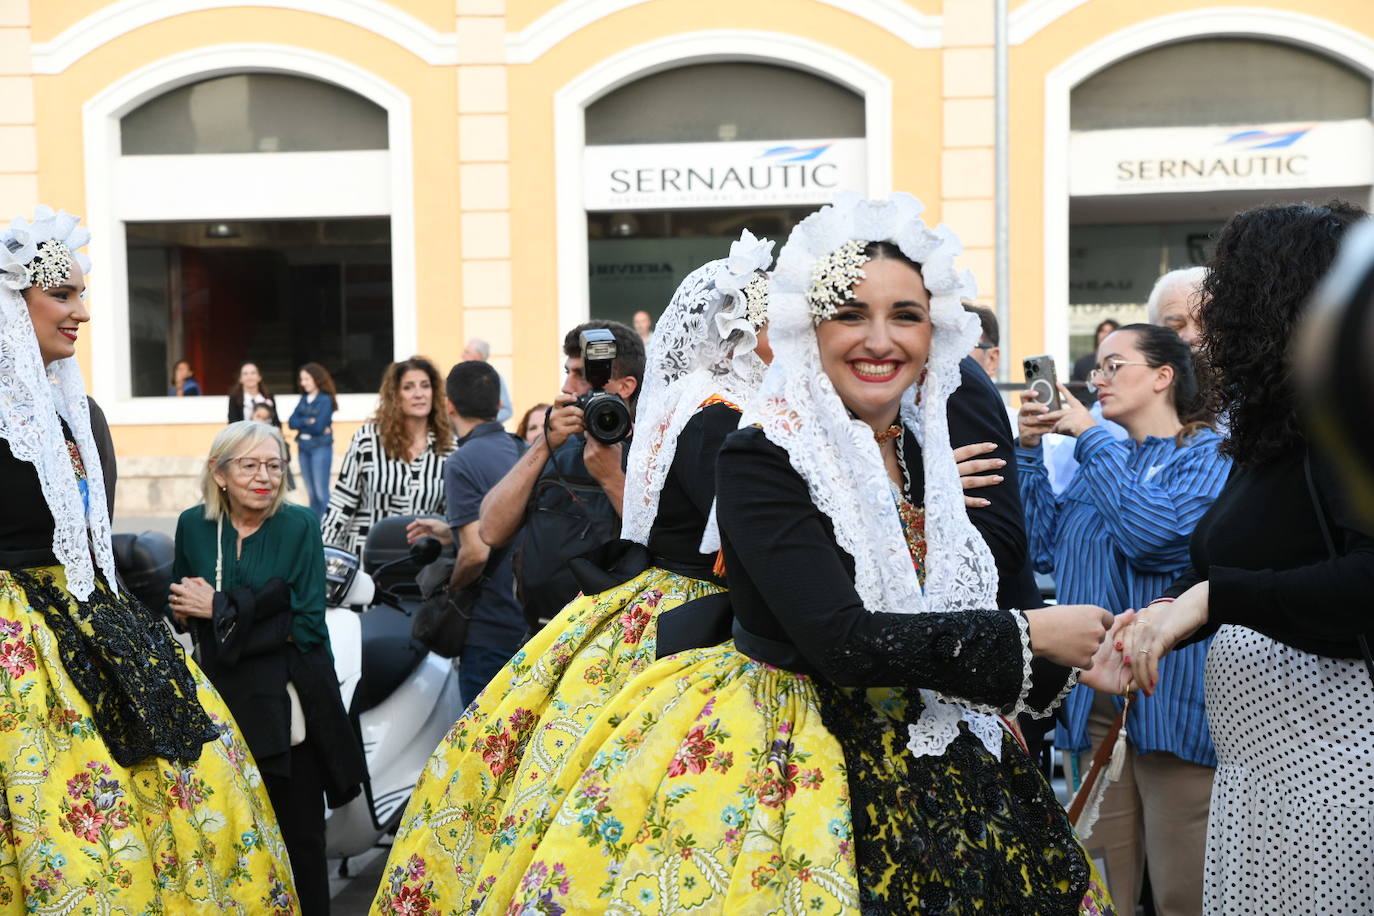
{"type": "Point", "coordinates": [1118, 537]}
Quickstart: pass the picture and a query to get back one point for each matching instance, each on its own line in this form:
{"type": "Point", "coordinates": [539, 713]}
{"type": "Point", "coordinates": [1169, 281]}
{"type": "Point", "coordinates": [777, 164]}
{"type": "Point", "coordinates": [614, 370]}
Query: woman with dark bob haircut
{"type": "Point", "coordinates": [1282, 573]}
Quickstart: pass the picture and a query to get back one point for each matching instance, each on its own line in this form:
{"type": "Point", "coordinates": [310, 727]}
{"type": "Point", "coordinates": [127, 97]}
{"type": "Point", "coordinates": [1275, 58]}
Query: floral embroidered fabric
{"type": "Point", "coordinates": [127, 668]}
{"type": "Point", "coordinates": [124, 663]}
{"type": "Point", "coordinates": [82, 833]}
{"type": "Point", "coordinates": [715, 784]}
{"type": "Point", "coordinates": [488, 781]}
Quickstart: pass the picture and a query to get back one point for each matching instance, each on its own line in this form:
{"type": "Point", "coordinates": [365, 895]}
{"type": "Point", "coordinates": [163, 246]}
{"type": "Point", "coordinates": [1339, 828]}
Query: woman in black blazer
{"type": "Point", "coordinates": [248, 392]}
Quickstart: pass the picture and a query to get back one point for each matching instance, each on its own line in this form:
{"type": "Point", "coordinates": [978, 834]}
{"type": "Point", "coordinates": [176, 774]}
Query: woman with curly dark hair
{"type": "Point", "coordinates": [395, 463]}
{"type": "Point", "coordinates": [1282, 574]}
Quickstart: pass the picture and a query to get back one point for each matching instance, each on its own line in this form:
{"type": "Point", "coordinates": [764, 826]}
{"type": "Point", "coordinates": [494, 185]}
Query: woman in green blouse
{"type": "Point", "coordinates": [249, 579]}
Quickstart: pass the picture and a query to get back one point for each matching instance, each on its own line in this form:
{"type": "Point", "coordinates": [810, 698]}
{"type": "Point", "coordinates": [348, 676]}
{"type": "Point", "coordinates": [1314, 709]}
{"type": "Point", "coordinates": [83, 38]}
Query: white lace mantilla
{"type": "Point", "coordinates": [800, 411]}
{"type": "Point", "coordinates": [703, 346]}
{"type": "Point", "coordinates": [32, 397]}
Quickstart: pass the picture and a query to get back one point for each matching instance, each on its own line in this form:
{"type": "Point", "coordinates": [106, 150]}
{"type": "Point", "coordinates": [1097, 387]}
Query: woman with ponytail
{"type": "Point", "coordinates": [1117, 536]}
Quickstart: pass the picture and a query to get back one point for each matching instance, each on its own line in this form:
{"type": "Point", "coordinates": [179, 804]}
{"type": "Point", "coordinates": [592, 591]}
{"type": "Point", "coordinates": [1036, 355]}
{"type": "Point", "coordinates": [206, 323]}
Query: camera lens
{"type": "Point", "coordinates": [607, 419]}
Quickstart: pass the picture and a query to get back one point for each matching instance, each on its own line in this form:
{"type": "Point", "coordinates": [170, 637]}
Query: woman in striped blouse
{"type": "Point", "coordinates": [1118, 536]}
{"type": "Point", "coordinates": [395, 463]}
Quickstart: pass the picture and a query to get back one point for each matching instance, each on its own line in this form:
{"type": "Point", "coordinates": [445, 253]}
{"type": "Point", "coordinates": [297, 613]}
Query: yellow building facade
{"type": "Point", "coordinates": [397, 176]}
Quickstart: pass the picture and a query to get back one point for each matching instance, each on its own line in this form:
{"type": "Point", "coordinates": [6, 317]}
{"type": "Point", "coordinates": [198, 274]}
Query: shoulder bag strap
{"type": "Point", "coordinates": [219, 553]}
{"type": "Point", "coordinates": [1319, 507]}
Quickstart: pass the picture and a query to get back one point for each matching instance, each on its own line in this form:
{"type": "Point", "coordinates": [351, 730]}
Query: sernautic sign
{"type": "Point", "coordinates": [660, 176]}
{"type": "Point", "coordinates": [1325, 154]}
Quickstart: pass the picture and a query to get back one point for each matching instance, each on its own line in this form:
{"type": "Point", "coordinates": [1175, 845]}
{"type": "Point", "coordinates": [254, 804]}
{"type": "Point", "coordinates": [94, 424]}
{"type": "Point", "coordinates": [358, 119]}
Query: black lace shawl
{"type": "Point", "coordinates": [127, 667]}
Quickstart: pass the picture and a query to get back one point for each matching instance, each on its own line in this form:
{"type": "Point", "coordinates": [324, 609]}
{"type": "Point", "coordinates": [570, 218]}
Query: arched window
{"type": "Point", "coordinates": [1220, 81]}
{"type": "Point", "coordinates": [678, 162]}
{"type": "Point", "coordinates": [253, 113]}
{"type": "Point", "coordinates": [706, 103]}
{"type": "Point", "coordinates": [256, 209]}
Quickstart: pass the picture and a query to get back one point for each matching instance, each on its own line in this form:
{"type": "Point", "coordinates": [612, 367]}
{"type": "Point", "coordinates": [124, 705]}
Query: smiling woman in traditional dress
{"type": "Point", "coordinates": [124, 784]}
{"type": "Point", "coordinates": [845, 754]}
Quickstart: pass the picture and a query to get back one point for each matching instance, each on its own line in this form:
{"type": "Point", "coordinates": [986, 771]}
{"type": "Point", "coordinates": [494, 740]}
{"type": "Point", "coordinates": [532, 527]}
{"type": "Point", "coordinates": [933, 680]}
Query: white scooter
{"type": "Point", "coordinates": [404, 698]}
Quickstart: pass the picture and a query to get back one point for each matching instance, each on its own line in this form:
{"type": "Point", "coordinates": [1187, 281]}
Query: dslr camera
{"type": "Point", "coordinates": [606, 417]}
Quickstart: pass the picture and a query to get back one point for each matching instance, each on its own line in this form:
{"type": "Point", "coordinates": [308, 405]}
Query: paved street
{"type": "Point", "coordinates": [352, 896]}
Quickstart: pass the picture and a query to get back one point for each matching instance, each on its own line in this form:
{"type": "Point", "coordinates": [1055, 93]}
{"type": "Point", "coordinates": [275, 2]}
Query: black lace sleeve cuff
{"type": "Point", "coordinates": [1050, 684]}
{"type": "Point", "coordinates": [972, 657]}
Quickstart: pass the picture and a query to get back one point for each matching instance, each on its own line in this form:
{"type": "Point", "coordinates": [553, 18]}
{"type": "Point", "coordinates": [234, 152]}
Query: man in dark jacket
{"type": "Point", "coordinates": [565, 472]}
{"type": "Point", "coordinates": [485, 453]}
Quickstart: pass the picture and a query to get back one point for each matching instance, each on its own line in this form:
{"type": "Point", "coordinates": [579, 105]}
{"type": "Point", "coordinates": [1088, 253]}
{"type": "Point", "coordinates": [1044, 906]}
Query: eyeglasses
{"type": "Point", "coordinates": [984, 346]}
{"type": "Point", "coordinates": [1110, 368]}
{"type": "Point", "coordinates": [249, 467]}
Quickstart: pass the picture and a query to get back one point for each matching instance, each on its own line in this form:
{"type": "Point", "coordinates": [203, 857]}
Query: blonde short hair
{"type": "Point", "coordinates": [233, 441]}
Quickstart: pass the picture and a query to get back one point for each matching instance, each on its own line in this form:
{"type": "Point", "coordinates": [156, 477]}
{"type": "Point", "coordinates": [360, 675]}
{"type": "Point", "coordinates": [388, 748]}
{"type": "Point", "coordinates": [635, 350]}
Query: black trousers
{"type": "Point", "coordinates": [299, 805]}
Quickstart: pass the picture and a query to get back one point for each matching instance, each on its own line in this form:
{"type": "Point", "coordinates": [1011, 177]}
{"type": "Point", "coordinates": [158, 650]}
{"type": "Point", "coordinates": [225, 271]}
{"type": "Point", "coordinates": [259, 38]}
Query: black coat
{"type": "Point", "coordinates": [245, 653]}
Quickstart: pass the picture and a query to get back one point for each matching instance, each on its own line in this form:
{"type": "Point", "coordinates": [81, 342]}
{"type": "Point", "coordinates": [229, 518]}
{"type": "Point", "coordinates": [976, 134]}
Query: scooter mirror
{"type": "Point", "coordinates": [425, 551]}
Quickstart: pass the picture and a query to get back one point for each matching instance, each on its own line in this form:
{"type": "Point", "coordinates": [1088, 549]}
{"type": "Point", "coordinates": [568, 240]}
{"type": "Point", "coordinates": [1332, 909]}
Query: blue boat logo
{"type": "Point", "coordinates": [795, 153]}
{"type": "Point", "coordinates": [1265, 139]}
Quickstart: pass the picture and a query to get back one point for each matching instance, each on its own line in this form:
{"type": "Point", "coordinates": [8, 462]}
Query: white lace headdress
{"type": "Point", "coordinates": [703, 346]}
{"type": "Point", "coordinates": [800, 411]}
{"type": "Point", "coordinates": [33, 396]}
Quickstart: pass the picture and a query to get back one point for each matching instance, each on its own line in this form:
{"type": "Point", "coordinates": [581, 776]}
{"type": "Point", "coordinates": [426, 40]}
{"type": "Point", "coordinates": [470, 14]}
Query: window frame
{"type": "Point", "coordinates": [118, 192]}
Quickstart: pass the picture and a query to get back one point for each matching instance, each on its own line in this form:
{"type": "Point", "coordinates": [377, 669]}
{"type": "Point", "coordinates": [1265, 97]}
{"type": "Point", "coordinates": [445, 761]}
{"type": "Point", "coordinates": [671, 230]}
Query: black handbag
{"type": "Point", "coordinates": [442, 620]}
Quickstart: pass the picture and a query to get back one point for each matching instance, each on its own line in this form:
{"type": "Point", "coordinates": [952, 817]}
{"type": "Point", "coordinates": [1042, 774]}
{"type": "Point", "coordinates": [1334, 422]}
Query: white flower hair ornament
{"type": "Point", "coordinates": [799, 410]}
{"type": "Point", "coordinates": [703, 346]}
{"type": "Point", "coordinates": [40, 253]}
{"type": "Point", "coordinates": [33, 396]}
{"type": "Point", "coordinates": [743, 278]}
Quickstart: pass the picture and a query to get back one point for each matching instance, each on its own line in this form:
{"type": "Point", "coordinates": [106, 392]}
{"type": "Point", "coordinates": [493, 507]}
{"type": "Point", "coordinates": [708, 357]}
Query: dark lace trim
{"type": "Point", "coordinates": [951, 835]}
{"type": "Point", "coordinates": [973, 656]}
{"type": "Point", "coordinates": [128, 668]}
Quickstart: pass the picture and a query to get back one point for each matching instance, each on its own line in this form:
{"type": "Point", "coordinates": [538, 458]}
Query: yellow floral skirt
{"type": "Point", "coordinates": [714, 784]}
{"type": "Point", "coordinates": [487, 781]}
{"type": "Point", "coordinates": [81, 834]}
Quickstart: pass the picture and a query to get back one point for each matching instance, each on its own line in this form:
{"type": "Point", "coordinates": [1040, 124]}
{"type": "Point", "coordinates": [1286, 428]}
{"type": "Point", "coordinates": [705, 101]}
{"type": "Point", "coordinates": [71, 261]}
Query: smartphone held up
{"type": "Point", "coordinates": [1043, 380]}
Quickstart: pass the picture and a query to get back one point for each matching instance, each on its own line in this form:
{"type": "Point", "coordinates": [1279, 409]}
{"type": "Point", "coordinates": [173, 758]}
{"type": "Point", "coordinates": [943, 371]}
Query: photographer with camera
{"type": "Point", "coordinates": [565, 493]}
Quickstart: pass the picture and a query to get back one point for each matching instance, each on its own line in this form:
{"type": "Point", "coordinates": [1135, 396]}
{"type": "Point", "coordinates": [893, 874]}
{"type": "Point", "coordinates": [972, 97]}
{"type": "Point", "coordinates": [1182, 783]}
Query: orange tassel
{"type": "Point", "coordinates": [719, 568]}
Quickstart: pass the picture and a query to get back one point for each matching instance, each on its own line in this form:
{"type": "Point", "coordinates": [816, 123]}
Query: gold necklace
{"type": "Point", "coordinates": [892, 432]}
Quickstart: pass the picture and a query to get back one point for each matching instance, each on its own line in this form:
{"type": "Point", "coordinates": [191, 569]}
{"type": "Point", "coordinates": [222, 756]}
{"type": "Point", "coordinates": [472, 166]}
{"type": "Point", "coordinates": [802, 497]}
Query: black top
{"type": "Point", "coordinates": [792, 584]}
{"type": "Point", "coordinates": [25, 519]}
{"type": "Point", "coordinates": [689, 490]}
{"type": "Point", "coordinates": [482, 458]}
{"type": "Point", "coordinates": [104, 446]}
{"type": "Point", "coordinates": [236, 410]}
{"type": "Point", "coordinates": [1261, 549]}
{"type": "Point", "coordinates": [26, 522]}
{"type": "Point", "coordinates": [976, 414]}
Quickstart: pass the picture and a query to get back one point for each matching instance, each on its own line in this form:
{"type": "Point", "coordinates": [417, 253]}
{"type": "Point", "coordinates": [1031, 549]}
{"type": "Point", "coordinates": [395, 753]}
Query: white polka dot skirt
{"type": "Point", "coordinates": [1291, 828]}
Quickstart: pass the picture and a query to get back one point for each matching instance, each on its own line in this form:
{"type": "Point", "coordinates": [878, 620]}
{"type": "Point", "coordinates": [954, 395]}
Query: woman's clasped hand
{"type": "Point", "coordinates": [1087, 637]}
{"type": "Point", "coordinates": [1129, 656]}
{"type": "Point", "coordinates": [1157, 630]}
